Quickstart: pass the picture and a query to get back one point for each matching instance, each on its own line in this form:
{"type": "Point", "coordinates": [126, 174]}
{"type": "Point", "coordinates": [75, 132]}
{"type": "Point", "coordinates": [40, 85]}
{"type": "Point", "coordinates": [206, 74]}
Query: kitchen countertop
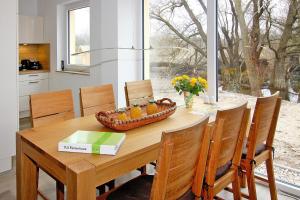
{"type": "Point", "coordinates": [33, 71]}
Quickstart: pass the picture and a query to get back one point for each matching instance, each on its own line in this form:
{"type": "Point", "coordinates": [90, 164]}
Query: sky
{"type": "Point", "coordinates": [82, 18]}
{"type": "Point", "coordinates": [279, 8]}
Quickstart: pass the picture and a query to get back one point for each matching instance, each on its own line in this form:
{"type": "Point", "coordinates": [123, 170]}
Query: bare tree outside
{"type": "Point", "coordinates": [257, 40]}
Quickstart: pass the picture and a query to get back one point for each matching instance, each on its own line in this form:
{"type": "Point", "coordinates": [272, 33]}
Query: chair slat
{"type": "Point", "coordinates": [51, 119]}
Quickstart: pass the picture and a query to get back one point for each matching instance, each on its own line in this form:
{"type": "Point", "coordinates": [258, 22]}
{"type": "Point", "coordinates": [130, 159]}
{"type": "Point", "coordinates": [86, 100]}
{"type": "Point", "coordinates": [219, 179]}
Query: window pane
{"type": "Point", "coordinates": [79, 36]}
{"type": "Point", "coordinates": [258, 55]}
{"type": "Point", "coordinates": [178, 44]}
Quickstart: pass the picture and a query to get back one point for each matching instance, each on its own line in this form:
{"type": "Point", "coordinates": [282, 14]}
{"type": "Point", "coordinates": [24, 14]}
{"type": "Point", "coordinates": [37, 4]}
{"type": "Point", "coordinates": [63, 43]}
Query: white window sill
{"type": "Point", "coordinates": [74, 72]}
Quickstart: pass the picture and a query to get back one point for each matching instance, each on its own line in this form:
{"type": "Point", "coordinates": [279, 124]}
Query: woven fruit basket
{"type": "Point", "coordinates": [166, 107]}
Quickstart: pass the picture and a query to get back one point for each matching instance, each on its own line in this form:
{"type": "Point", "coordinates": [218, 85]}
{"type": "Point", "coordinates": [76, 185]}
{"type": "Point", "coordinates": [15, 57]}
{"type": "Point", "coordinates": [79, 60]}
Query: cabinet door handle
{"type": "Point", "coordinates": [31, 82]}
{"type": "Point", "coordinates": [33, 75]}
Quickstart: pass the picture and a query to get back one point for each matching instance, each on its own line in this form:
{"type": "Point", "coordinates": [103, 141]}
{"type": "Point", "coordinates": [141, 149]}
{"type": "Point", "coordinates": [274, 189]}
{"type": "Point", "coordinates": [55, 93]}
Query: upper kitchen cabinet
{"type": "Point", "coordinates": [31, 29]}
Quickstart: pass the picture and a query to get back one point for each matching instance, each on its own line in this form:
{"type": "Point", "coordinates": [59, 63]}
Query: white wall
{"type": "Point", "coordinates": [28, 7]}
{"type": "Point", "coordinates": [129, 34]}
{"type": "Point", "coordinates": [111, 27]}
{"type": "Point", "coordinates": [8, 83]}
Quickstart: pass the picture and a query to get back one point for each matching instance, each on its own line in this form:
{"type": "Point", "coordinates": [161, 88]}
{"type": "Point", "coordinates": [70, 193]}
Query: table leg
{"type": "Point", "coordinates": [60, 191]}
{"type": "Point", "coordinates": [27, 172]}
{"type": "Point", "coordinates": [81, 181]}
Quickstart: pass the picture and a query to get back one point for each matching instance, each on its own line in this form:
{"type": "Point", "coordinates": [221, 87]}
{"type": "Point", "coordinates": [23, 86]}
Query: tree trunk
{"type": "Point", "coordinates": [253, 75]}
{"type": "Point", "coordinates": [249, 55]}
{"type": "Point", "coordinates": [279, 82]}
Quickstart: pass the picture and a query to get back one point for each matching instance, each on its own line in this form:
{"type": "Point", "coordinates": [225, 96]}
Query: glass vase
{"type": "Point", "coordinates": [188, 99]}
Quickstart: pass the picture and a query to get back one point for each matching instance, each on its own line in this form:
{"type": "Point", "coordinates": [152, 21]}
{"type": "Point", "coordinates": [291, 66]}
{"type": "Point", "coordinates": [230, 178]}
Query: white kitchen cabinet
{"type": "Point", "coordinates": [31, 29]}
{"type": "Point", "coordinates": [33, 77]}
{"type": "Point", "coordinates": [31, 87]}
{"type": "Point", "coordinates": [31, 84]}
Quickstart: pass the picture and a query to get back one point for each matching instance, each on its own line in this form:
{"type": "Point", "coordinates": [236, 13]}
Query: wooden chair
{"type": "Point", "coordinates": [51, 107]}
{"type": "Point", "coordinates": [259, 144]}
{"type": "Point", "coordinates": [95, 99]}
{"type": "Point", "coordinates": [177, 176]}
{"type": "Point", "coordinates": [138, 92]}
{"type": "Point", "coordinates": [48, 108]}
{"type": "Point", "coordinates": [225, 152]}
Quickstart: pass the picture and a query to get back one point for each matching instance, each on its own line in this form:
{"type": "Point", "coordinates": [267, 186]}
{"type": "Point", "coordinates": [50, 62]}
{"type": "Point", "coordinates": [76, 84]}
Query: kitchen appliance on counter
{"type": "Point", "coordinates": [30, 65]}
{"type": "Point", "coordinates": [25, 64]}
{"type": "Point", "coordinates": [35, 65]}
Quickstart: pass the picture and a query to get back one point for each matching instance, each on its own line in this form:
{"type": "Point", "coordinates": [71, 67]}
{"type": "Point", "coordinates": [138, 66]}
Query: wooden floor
{"type": "Point", "coordinates": [47, 186]}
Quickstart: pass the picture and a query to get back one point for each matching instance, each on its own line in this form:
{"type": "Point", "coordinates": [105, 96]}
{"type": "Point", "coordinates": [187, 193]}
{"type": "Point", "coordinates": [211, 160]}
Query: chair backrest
{"type": "Point", "coordinates": [95, 99]}
{"type": "Point", "coordinates": [228, 142]}
{"type": "Point", "coordinates": [264, 123]}
{"type": "Point", "coordinates": [235, 126]}
{"type": "Point", "coordinates": [182, 153]}
{"type": "Point", "coordinates": [51, 107]}
{"type": "Point", "coordinates": [138, 92]}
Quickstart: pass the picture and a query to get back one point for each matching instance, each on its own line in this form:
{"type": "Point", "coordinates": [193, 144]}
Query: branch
{"type": "Point", "coordinates": [222, 53]}
{"type": "Point", "coordinates": [195, 20]}
{"type": "Point", "coordinates": [180, 35]}
{"type": "Point", "coordinates": [255, 31]}
{"type": "Point", "coordinates": [242, 22]}
{"type": "Point", "coordinates": [247, 7]}
{"type": "Point", "coordinates": [287, 33]}
{"type": "Point", "coordinates": [236, 31]}
{"type": "Point", "coordinates": [268, 28]}
{"type": "Point", "coordinates": [203, 6]}
{"type": "Point", "coordinates": [292, 45]}
{"type": "Point", "coordinates": [261, 8]}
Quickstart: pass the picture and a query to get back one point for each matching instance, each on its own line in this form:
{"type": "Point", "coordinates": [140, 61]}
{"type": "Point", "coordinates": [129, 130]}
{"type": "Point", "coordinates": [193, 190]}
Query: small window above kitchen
{"type": "Point", "coordinates": [79, 36]}
{"type": "Point", "coordinates": [73, 44]}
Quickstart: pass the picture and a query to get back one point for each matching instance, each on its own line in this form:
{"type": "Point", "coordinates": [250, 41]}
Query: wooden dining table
{"type": "Point", "coordinates": [82, 173]}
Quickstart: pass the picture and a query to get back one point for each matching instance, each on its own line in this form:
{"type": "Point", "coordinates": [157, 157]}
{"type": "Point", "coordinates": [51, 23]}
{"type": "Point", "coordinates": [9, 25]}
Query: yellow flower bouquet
{"type": "Point", "coordinates": [190, 86]}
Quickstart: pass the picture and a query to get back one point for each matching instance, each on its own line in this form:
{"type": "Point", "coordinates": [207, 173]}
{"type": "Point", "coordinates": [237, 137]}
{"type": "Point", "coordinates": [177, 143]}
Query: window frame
{"type": "Point", "coordinates": [66, 39]}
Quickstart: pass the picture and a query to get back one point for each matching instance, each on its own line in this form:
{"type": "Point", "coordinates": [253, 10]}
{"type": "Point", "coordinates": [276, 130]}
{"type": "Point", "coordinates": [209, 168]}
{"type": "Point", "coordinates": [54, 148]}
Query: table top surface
{"type": "Point", "coordinates": [45, 139]}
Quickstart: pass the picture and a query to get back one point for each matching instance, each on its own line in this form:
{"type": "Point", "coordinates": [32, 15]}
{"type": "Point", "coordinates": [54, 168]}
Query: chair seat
{"type": "Point", "coordinates": [222, 170]}
{"type": "Point", "coordinates": [139, 189]}
{"type": "Point", "coordinates": [259, 148]}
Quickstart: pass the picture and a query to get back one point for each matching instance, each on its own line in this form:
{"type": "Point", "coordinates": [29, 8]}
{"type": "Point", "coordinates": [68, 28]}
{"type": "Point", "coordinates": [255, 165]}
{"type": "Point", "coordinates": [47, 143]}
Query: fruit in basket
{"type": "Point", "coordinates": [135, 112]}
{"type": "Point", "coordinates": [122, 115]}
{"type": "Point", "coordinates": [151, 107]}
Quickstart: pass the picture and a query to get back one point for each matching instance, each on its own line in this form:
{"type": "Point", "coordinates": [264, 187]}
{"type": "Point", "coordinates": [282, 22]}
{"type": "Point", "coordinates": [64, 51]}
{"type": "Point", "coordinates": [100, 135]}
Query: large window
{"type": "Point", "coordinates": [79, 36]}
{"type": "Point", "coordinates": [176, 33]}
{"type": "Point", "coordinates": [258, 54]}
